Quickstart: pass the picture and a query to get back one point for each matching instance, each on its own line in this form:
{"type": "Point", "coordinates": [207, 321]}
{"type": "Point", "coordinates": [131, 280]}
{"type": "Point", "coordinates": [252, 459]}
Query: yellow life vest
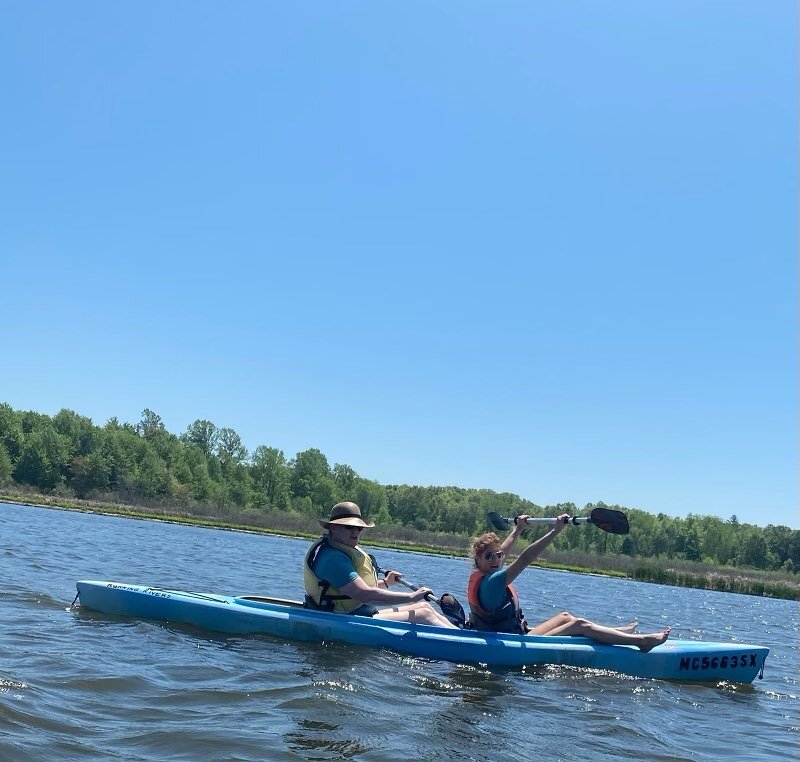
{"type": "Point", "coordinates": [320, 594]}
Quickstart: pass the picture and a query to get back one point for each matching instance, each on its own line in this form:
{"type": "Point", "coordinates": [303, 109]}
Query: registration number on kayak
{"type": "Point", "coordinates": [693, 663]}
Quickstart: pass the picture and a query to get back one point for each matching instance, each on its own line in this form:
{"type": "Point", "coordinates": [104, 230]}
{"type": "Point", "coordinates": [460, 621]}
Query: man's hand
{"type": "Point", "coordinates": [392, 577]}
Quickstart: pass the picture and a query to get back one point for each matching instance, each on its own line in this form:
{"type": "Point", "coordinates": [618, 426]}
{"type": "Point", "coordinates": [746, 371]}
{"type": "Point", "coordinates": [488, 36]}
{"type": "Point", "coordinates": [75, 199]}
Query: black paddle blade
{"type": "Point", "coordinates": [497, 521]}
{"type": "Point", "coordinates": [610, 520]}
{"type": "Point", "coordinates": [453, 610]}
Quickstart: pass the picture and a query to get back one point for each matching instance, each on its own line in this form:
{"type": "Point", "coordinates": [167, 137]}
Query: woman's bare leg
{"type": "Point", "coordinates": [546, 627]}
{"type": "Point", "coordinates": [416, 613]}
{"type": "Point", "coordinates": [610, 635]}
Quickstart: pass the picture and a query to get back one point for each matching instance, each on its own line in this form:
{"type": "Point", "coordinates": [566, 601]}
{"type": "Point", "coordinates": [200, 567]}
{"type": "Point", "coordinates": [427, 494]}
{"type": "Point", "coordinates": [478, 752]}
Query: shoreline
{"type": "Point", "coordinates": [144, 514]}
{"type": "Point", "coordinates": [648, 570]}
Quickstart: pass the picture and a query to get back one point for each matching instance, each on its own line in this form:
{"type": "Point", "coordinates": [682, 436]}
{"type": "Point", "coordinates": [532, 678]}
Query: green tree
{"type": "Point", "coordinates": [202, 434]}
{"type": "Point", "coordinates": [150, 426]}
{"type": "Point", "coordinates": [150, 478]}
{"type": "Point", "coordinates": [230, 448]}
{"type": "Point", "coordinates": [780, 542]}
{"type": "Point", "coordinates": [135, 468]}
{"type": "Point", "coordinates": [6, 467]}
{"type": "Point", "coordinates": [456, 516]}
{"type": "Point", "coordinates": [311, 477]}
{"type": "Point", "coordinates": [382, 517]}
{"type": "Point", "coordinates": [43, 456]}
{"type": "Point", "coordinates": [191, 469]}
{"type": "Point", "coordinates": [271, 476]}
{"type": "Point", "coordinates": [345, 478]}
{"type": "Point", "coordinates": [755, 552]}
{"type": "Point", "coordinates": [91, 473]}
{"type": "Point", "coordinates": [371, 499]}
{"type": "Point", "coordinates": [690, 539]}
{"type": "Point", "coordinates": [407, 504]}
{"type": "Point", "coordinates": [237, 486]}
{"type": "Point", "coordinates": [78, 431]}
{"type": "Point", "coordinates": [10, 431]}
{"type": "Point", "coordinates": [31, 421]}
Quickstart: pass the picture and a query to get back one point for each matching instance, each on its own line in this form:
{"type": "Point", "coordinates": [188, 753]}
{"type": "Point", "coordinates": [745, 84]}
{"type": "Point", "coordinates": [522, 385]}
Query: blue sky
{"type": "Point", "coordinates": [539, 247]}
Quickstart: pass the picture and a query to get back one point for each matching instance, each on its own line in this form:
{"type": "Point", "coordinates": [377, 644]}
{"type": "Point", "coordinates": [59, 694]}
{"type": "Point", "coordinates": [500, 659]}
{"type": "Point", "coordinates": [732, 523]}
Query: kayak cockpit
{"type": "Point", "coordinates": [245, 599]}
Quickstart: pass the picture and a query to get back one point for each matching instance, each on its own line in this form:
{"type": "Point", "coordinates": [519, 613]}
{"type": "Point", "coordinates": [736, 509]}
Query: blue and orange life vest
{"type": "Point", "coordinates": [320, 594]}
{"type": "Point", "coordinates": [507, 617]}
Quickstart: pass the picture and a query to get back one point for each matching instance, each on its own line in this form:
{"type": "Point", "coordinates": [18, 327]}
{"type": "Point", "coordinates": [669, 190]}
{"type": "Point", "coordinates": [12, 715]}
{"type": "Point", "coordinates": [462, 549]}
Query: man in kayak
{"type": "Point", "coordinates": [494, 604]}
{"type": "Point", "coordinates": [339, 576]}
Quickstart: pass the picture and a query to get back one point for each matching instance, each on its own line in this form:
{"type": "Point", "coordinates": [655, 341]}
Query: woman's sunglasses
{"type": "Point", "coordinates": [497, 554]}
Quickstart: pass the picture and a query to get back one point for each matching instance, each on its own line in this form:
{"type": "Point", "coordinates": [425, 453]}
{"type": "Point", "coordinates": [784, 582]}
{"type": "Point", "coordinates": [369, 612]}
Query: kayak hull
{"type": "Point", "coordinates": [674, 660]}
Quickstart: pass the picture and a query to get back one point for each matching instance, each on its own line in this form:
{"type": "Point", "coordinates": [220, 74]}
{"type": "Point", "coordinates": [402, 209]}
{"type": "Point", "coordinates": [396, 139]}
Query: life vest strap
{"type": "Point", "coordinates": [320, 593]}
{"type": "Point", "coordinates": [507, 617]}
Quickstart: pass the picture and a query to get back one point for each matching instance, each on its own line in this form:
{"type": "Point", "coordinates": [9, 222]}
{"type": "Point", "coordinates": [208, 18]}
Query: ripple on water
{"type": "Point", "coordinates": [7, 685]}
{"type": "Point", "coordinates": [81, 686]}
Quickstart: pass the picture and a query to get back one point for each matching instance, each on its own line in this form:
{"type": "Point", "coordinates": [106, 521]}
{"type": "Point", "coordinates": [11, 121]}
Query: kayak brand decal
{"type": "Point", "coordinates": [694, 663]}
{"type": "Point", "coordinates": [155, 593]}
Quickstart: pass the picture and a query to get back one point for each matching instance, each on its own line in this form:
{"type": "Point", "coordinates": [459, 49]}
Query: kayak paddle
{"type": "Point", "coordinates": [607, 519]}
{"type": "Point", "coordinates": [450, 607]}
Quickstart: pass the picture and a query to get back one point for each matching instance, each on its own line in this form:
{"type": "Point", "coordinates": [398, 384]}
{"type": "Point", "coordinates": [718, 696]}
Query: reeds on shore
{"type": "Point", "coordinates": [779, 584]}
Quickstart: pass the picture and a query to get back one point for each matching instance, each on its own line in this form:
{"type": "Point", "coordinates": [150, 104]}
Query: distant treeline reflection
{"type": "Point", "coordinates": [207, 471]}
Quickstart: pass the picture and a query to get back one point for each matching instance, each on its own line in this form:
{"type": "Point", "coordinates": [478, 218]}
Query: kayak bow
{"type": "Point", "coordinates": [674, 660]}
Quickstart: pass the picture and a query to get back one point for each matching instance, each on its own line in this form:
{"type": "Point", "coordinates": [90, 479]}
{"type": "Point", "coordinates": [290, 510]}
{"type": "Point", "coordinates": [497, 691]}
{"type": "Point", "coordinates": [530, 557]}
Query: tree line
{"type": "Point", "coordinates": [67, 455]}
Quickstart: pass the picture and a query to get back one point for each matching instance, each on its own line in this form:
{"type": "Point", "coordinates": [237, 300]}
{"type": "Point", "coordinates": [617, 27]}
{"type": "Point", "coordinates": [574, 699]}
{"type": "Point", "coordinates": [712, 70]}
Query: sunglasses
{"type": "Point", "coordinates": [497, 554]}
{"type": "Point", "coordinates": [346, 528]}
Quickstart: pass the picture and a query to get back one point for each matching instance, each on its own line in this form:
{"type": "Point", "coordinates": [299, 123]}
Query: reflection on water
{"type": "Point", "coordinates": [337, 748]}
{"type": "Point", "coordinates": [320, 658]}
{"type": "Point", "coordinates": [480, 687]}
{"type": "Point", "coordinates": [188, 634]}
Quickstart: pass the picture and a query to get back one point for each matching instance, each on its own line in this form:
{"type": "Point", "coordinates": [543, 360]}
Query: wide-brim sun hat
{"type": "Point", "coordinates": [346, 514]}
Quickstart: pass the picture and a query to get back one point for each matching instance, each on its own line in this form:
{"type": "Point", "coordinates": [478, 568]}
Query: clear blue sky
{"type": "Point", "coordinates": [539, 247]}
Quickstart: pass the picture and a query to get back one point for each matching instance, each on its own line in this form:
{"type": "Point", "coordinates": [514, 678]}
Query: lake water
{"type": "Point", "coordinates": [83, 686]}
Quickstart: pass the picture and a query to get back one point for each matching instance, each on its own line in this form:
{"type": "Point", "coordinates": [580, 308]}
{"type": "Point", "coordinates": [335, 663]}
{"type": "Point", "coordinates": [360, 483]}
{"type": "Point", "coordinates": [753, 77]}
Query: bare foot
{"type": "Point", "coordinates": [629, 628]}
{"type": "Point", "coordinates": [649, 642]}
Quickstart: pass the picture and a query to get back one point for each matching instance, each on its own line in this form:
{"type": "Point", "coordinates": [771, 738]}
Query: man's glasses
{"type": "Point", "coordinates": [497, 554]}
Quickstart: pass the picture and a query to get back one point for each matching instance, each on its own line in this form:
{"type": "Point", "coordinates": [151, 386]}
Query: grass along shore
{"type": "Point", "coordinates": [662, 571]}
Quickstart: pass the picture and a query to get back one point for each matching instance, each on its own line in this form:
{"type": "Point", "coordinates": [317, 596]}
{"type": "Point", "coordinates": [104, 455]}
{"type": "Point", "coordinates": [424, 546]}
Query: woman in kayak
{"type": "Point", "coordinates": [339, 576]}
{"type": "Point", "coordinates": [494, 604]}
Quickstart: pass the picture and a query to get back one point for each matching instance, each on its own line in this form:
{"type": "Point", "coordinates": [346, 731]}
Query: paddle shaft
{"type": "Point", "coordinates": [570, 520]}
{"type": "Point", "coordinates": [428, 597]}
{"type": "Point", "coordinates": [553, 521]}
{"type": "Point", "coordinates": [450, 607]}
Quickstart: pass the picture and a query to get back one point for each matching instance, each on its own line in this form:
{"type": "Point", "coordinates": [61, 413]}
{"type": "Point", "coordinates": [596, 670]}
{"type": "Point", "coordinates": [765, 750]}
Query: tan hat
{"type": "Point", "coordinates": [348, 514]}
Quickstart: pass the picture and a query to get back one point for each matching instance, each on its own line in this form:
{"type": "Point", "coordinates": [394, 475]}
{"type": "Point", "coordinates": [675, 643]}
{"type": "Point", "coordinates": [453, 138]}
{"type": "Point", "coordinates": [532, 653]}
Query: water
{"type": "Point", "coordinates": [83, 686]}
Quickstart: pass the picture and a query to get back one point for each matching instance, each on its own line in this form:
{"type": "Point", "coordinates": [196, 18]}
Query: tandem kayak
{"type": "Point", "coordinates": [674, 660]}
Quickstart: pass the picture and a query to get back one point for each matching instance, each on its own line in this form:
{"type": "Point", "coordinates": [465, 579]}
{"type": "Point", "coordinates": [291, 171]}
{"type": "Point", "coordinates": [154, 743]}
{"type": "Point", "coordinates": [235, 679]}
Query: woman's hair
{"type": "Point", "coordinates": [479, 544]}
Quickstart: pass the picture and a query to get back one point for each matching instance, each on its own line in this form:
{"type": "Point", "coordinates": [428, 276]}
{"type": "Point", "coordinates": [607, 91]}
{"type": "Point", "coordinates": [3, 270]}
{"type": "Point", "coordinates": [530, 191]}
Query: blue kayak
{"type": "Point", "coordinates": [674, 660]}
